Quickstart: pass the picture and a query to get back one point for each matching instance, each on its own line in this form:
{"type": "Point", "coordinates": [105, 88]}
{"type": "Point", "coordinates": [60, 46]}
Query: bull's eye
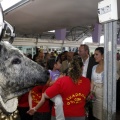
{"type": "Point", "coordinates": [16, 61]}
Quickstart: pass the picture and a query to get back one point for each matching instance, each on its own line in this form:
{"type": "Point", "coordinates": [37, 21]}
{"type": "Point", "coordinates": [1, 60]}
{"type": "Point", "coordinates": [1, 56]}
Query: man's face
{"type": "Point", "coordinates": [82, 52]}
{"type": "Point", "coordinates": [69, 56]}
{"type": "Point", "coordinates": [41, 56]}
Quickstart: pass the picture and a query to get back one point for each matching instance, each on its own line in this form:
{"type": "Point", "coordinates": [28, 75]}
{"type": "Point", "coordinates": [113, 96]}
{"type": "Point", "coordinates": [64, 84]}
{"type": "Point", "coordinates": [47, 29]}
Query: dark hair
{"type": "Point", "coordinates": [75, 53]}
{"type": "Point", "coordinates": [100, 49]}
{"type": "Point", "coordinates": [29, 56]}
{"type": "Point", "coordinates": [75, 71]}
{"type": "Point", "coordinates": [51, 62]}
{"type": "Point", "coordinates": [86, 47]}
{"type": "Point", "coordinates": [65, 71]}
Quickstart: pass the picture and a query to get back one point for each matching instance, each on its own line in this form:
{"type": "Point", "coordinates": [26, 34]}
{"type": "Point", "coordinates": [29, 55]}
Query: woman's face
{"type": "Point", "coordinates": [58, 65]}
{"type": "Point", "coordinates": [98, 56]}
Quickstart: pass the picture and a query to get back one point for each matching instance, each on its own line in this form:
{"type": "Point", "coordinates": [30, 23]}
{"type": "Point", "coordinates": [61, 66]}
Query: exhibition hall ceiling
{"type": "Point", "coordinates": [38, 16]}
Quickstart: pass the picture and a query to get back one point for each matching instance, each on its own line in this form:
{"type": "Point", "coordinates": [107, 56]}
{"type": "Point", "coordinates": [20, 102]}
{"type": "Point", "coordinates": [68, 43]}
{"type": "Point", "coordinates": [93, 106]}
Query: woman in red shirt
{"type": "Point", "coordinates": [35, 95]}
{"type": "Point", "coordinates": [73, 89]}
{"type": "Point", "coordinates": [23, 107]}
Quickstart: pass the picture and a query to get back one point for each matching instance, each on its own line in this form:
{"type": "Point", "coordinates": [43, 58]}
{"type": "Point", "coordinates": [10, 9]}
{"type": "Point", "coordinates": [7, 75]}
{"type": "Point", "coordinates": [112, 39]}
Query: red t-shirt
{"type": "Point", "coordinates": [73, 95]}
{"type": "Point", "coordinates": [23, 100]}
{"type": "Point", "coordinates": [36, 94]}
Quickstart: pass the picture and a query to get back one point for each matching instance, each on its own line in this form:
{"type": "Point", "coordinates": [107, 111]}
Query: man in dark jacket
{"type": "Point", "coordinates": [88, 63]}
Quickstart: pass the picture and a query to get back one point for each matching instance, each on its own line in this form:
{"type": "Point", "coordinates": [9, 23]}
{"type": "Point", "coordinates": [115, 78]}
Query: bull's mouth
{"type": "Point", "coordinates": [10, 106]}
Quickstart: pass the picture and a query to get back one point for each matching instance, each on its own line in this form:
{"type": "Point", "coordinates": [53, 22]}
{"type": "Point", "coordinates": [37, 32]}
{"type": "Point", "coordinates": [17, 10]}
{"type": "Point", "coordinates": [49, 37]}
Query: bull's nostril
{"type": "Point", "coordinates": [47, 72]}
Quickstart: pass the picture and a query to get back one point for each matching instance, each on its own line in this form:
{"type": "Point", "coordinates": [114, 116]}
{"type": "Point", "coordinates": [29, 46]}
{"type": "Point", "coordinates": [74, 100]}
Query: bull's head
{"type": "Point", "coordinates": [18, 74]}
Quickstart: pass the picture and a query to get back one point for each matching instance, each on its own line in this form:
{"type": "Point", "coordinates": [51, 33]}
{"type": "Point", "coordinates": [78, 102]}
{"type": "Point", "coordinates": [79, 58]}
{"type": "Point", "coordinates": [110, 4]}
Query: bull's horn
{"type": "Point", "coordinates": [12, 32]}
{"type": "Point", "coordinates": [1, 22]}
{"type": "Point", "coordinates": [3, 31]}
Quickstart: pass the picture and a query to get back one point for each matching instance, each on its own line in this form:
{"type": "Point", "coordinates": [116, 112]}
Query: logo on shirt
{"type": "Point", "coordinates": [35, 97]}
{"type": "Point", "coordinates": [75, 98]}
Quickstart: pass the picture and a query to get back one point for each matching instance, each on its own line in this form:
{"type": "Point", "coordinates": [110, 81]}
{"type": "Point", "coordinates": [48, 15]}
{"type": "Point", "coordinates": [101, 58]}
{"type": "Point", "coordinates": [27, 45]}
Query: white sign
{"type": "Point", "coordinates": [107, 11]}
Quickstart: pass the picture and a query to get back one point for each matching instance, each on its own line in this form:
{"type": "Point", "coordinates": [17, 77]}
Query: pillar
{"type": "Point", "coordinates": [109, 99]}
{"type": "Point", "coordinates": [97, 33]}
{"type": "Point", "coordinates": [60, 34]}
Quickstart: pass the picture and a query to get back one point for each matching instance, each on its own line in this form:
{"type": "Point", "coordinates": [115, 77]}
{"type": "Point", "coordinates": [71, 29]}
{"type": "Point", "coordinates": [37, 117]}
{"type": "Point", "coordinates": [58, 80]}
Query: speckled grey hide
{"type": "Point", "coordinates": [18, 74]}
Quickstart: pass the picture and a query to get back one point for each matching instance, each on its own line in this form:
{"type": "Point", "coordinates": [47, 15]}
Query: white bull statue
{"type": "Point", "coordinates": [18, 74]}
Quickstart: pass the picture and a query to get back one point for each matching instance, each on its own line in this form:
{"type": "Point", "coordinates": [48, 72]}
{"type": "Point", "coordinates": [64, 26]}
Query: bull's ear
{"type": "Point", "coordinates": [11, 40]}
{"type": "Point", "coordinates": [12, 35]}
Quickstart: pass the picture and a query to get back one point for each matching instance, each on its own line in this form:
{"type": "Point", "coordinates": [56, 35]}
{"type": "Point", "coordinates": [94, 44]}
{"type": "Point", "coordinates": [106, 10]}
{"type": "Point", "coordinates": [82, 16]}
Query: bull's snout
{"type": "Point", "coordinates": [47, 72]}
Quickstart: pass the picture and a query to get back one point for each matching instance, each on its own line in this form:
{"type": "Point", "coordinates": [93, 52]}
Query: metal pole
{"type": "Point", "coordinates": [105, 90]}
{"type": "Point", "coordinates": [114, 42]}
{"type": "Point", "coordinates": [109, 98]}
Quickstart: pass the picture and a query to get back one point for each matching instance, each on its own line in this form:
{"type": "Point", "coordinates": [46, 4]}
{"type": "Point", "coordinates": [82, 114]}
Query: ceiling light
{"type": "Point", "coordinates": [9, 5]}
{"type": "Point", "coordinates": [52, 31]}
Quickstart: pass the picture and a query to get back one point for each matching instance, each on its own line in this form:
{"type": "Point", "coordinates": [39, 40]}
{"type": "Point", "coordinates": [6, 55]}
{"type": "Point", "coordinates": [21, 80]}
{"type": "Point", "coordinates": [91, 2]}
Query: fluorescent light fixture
{"type": "Point", "coordinates": [52, 31]}
{"type": "Point", "coordinates": [102, 39]}
{"type": "Point", "coordinates": [8, 3]}
{"type": "Point", "coordinates": [89, 40]}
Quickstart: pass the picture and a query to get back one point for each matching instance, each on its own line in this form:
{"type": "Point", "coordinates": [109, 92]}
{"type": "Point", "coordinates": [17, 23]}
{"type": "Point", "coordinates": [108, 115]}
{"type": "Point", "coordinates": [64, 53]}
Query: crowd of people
{"type": "Point", "coordinates": [74, 77]}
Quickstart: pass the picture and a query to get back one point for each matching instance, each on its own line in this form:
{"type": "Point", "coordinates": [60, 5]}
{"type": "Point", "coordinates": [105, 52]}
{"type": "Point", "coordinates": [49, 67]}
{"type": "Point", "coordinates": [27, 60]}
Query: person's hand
{"type": "Point", "coordinates": [31, 111]}
{"type": "Point", "coordinates": [91, 97]}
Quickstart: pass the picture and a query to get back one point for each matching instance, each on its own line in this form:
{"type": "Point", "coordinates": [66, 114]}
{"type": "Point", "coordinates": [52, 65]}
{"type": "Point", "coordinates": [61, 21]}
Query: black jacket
{"type": "Point", "coordinates": [90, 66]}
